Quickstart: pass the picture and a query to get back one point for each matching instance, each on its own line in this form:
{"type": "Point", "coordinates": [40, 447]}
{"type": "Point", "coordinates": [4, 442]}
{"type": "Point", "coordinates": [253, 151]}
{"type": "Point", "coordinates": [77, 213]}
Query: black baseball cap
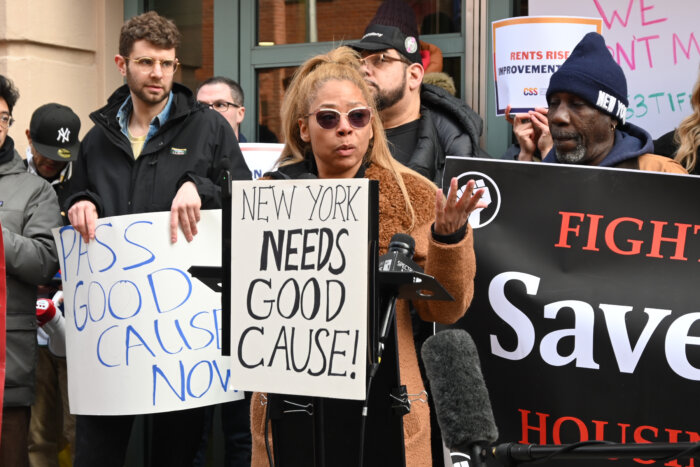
{"type": "Point", "coordinates": [381, 37]}
{"type": "Point", "coordinates": [54, 130]}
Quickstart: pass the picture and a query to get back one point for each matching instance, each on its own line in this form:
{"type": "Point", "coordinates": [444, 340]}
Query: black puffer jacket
{"type": "Point", "coordinates": [188, 147]}
{"type": "Point", "coordinates": [448, 127]}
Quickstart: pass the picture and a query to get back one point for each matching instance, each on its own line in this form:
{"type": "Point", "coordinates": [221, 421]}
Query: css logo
{"type": "Point", "coordinates": [530, 91]}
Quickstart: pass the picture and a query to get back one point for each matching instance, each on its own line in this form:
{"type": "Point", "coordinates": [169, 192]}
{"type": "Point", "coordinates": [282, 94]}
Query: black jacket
{"type": "Point", "coordinates": [448, 127]}
{"type": "Point", "coordinates": [188, 147]}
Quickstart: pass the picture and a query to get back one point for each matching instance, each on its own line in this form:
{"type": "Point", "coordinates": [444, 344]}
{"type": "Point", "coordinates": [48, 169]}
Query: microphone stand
{"type": "Point", "coordinates": [226, 195]}
{"type": "Point", "coordinates": [217, 278]}
{"type": "Point", "coordinates": [408, 284]}
{"type": "Point", "coordinates": [512, 454]}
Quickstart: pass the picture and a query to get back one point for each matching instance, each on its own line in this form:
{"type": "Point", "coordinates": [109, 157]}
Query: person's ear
{"type": "Point", "coordinates": [121, 64]}
{"type": "Point", "coordinates": [304, 130]}
{"type": "Point", "coordinates": [415, 76]}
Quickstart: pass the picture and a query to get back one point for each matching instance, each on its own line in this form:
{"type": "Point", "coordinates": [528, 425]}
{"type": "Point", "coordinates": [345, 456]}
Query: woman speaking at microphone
{"type": "Point", "coordinates": [332, 130]}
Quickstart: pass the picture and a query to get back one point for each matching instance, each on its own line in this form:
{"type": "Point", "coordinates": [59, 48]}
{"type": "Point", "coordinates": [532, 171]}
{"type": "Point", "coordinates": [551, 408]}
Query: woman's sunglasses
{"type": "Point", "coordinates": [329, 119]}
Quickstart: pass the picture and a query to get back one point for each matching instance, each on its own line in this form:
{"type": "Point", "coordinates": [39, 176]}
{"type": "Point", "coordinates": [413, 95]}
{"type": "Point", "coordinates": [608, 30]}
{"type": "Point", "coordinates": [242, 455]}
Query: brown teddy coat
{"type": "Point", "coordinates": [452, 265]}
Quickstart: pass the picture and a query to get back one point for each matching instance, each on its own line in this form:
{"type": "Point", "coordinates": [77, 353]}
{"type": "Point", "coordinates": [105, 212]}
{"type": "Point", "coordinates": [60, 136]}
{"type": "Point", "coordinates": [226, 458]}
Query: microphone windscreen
{"type": "Point", "coordinates": [462, 404]}
{"type": "Point", "coordinates": [45, 311]}
{"type": "Point", "coordinates": [403, 243]}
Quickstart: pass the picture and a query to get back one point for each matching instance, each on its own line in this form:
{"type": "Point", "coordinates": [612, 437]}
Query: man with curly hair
{"type": "Point", "coordinates": [153, 148]}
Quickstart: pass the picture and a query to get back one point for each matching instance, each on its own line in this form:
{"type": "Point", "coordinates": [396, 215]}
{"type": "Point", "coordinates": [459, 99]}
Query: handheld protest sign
{"type": "Point", "coordinates": [260, 157]}
{"type": "Point", "coordinates": [656, 44]}
{"type": "Point", "coordinates": [301, 285]}
{"type": "Point", "coordinates": [142, 335]}
{"type": "Point", "coordinates": [527, 51]}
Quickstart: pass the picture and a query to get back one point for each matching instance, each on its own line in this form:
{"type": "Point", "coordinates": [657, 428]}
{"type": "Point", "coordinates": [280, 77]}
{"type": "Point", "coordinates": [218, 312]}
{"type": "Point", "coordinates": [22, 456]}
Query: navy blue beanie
{"type": "Point", "coordinates": [591, 73]}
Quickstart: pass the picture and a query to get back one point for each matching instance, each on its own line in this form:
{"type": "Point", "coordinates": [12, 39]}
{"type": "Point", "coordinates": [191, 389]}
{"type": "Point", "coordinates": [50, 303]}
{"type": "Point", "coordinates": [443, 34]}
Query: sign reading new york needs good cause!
{"type": "Point", "coordinates": [585, 311]}
{"type": "Point", "coordinates": [142, 334]}
{"type": "Point", "coordinates": [300, 286]}
{"type": "Point", "coordinates": [527, 51]}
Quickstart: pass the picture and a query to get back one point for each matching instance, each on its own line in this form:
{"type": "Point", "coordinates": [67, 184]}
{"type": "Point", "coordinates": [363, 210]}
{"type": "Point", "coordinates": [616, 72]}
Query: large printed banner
{"type": "Point", "coordinates": [527, 51]}
{"type": "Point", "coordinates": [586, 310]}
{"type": "Point", "coordinates": [300, 256]}
{"type": "Point", "coordinates": [657, 45]}
{"type": "Point", "coordinates": [142, 334]}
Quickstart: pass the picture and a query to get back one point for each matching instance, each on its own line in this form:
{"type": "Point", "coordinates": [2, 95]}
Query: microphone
{"type": "Point", "coordinates": [462, 403]}
{"type": "Point", "coordinates": [399, 254]}
{"type": "Point", "coordinates": [45, 311]}
{"type": "Point", "coordinates": [398, 258]}
{"type": "Point", "coordinates": [52, 322]}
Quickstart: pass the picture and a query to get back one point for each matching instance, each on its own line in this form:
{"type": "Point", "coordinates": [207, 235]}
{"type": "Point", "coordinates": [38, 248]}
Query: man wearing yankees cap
{"type": "Point", "coordinates": [53, 145]}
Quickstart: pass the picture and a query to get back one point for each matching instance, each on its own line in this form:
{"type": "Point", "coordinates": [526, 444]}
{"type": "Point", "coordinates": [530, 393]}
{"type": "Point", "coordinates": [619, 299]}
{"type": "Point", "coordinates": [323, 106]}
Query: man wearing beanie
{"type": "Point", "coordinates": [423, 123]}
{"type": "Point", "coordinates": [587, 100]}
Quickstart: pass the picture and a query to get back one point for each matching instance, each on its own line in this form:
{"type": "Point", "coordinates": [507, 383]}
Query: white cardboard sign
{"type": "Point", "coordinates": [143, 336]}
{"type": "Point", "coordinates": [300, 286]}
{"type": "Point", "coordinates": [657, 44]}
{"type": "Point", "coordinates": [527, 51]}
{"type": "Point", "coordinates": [260, 157]}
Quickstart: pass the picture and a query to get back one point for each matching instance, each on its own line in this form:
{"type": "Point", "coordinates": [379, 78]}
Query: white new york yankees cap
{"type": "Point", "coordinates": [54, 130]}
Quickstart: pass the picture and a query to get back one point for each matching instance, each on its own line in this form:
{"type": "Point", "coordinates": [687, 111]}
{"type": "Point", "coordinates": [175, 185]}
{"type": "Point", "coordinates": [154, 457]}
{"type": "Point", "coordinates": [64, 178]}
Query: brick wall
{"type": "Point", "coordinates": [207, 68]}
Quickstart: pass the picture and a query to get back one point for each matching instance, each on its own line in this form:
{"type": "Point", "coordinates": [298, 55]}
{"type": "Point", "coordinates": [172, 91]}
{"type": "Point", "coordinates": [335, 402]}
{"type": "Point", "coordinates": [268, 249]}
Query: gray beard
{"type": "Point", "coordinates": [571, 157]}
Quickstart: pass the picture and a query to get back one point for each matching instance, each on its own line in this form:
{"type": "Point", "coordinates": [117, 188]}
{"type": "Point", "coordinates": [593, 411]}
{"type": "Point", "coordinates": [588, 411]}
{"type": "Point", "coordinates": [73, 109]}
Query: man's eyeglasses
{"type": "Point", "coordinates": [221, 106]}
{"type": "Point", "coordinates": [381, 60]}
{"type": "Point", "coordinates": [6, 120]}
{"type": "Point", "coordinates": [329, 119]}
{"type": "Point", "coordinates": [147, 64]}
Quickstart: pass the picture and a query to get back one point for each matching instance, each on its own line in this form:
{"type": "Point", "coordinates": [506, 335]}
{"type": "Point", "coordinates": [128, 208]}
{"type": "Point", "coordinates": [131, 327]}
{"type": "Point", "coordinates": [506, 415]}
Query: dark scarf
{"type": "Point", "coordinates": [7, 151]}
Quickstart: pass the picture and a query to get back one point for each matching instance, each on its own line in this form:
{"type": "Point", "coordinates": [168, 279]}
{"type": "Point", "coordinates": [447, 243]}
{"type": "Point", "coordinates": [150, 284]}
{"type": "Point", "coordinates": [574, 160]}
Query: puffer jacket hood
{"type": "Point", "coordinates": [440, 101]}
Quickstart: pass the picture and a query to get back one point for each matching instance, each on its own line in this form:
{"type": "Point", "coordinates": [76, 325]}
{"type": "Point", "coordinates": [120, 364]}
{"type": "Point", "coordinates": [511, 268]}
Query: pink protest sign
{"type": "Point", "coordinates": [655, 43]}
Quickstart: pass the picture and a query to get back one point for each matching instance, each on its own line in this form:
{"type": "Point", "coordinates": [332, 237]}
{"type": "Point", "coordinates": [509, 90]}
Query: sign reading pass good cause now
{"type": "Point", "coordinates": [300, 286]}
{"type": "Point", "coordinates": [143, 335]}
